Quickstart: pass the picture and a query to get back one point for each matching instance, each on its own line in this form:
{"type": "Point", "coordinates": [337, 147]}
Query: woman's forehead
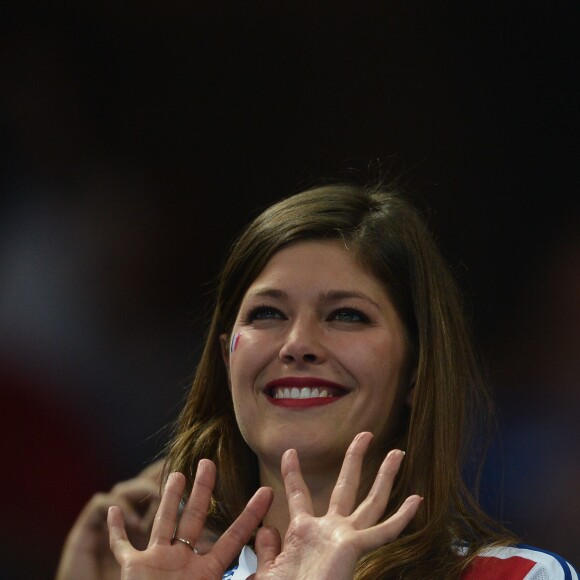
{"type": "Point", "coordinates": [327, 266]}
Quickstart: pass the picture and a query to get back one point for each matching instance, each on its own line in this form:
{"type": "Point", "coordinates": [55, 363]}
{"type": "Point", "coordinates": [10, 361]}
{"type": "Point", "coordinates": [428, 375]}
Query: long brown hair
{"type": "Point", "coordinates": [388, 236]}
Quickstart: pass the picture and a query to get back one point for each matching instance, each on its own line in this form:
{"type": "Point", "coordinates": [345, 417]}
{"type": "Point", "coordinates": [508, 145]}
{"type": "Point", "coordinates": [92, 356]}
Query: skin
{"type": "Point", "coordinates": [329, 546]}
{"type": "Point", "coordinates": [325, 547]}
{"type": "Point", "coordinates": [86, 553]}
{"type": "Point", "coordinates": [164, 559]}
{"type": "Point", "coordinates": [312, 312]}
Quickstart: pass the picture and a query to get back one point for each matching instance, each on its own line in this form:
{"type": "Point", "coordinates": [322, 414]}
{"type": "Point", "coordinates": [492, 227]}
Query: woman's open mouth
{"type": "Point", "coordinates": [303, 392]}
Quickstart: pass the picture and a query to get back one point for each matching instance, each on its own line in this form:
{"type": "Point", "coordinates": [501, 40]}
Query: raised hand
{"type": "Point", "coordinates": [328, 547]}
{"type": "Point", "coordinates": [166, 557]}
{"type": "Point", "coordinates": [86, 553]}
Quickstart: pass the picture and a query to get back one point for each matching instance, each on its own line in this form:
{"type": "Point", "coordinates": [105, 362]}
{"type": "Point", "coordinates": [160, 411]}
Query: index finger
{"type": "Point", "coordinates": [299, 500]}
{"type": "Point", "coordinates": [238, 534]}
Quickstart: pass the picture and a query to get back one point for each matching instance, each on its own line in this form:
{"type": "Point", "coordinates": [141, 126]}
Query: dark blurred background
{"type": "Point", "coordinates": [137, 138]}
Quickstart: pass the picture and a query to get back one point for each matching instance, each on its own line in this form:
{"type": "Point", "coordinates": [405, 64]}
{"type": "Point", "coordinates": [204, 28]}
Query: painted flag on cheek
{"type": "Point", "coordinates": [235, 342]}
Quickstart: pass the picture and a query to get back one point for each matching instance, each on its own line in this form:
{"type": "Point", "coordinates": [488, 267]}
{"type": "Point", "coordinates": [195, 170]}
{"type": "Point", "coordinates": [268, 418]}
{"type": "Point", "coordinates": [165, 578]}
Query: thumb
{"type": "Point", "coordinates": [118, 541]}
{"type": "Point", "coordinates": [268, 546]}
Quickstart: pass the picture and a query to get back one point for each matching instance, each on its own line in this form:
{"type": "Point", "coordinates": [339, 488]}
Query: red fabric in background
{"type": "Point", "coordinates": [50, 468]}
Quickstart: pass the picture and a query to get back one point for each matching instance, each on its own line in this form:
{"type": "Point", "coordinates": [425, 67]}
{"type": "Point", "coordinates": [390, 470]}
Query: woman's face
{"type": "Point", "coordinates": [316, 355]}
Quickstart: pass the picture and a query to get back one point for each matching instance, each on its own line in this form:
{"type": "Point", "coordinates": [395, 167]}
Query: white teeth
{"type": "Point", "coordinates": [303, 393]}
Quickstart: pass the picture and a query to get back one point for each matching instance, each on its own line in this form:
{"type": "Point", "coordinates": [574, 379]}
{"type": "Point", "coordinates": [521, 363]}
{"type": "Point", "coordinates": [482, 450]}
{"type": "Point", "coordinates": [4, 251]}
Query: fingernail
{"type": "Point", "coordinates": [172, 475]}
{"type": "Point", "coordinates": [394, 452]}
{"type": "Point", "coordinates": [364, 434]}
{"type": "Point", "coordinates": [414, 498]}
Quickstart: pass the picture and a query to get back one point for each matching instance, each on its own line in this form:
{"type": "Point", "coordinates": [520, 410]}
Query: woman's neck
{"type": "Point", "coordinates": [320, 486]}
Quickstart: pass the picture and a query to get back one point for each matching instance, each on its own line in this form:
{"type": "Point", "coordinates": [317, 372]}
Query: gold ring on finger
{"type": "Point", "coordinates": [186, 542]}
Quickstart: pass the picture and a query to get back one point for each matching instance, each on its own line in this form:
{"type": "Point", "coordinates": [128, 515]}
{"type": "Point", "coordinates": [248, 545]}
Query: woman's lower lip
{"type": "Point", "coordinates": [303, 403]}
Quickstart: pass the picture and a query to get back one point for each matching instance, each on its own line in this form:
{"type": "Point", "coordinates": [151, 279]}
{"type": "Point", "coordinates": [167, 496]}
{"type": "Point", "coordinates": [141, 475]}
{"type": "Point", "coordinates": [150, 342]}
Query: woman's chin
{"type": "Point", "coordinates": [315, 453]}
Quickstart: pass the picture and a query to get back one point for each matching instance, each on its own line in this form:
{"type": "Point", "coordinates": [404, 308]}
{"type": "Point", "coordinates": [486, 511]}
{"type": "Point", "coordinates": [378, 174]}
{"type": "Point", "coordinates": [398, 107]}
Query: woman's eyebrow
{"type": "Point", "coordinates": [335, 295]}
{"type": "Point", "coordinates": [329, 296]}
{"type": "Point", "coordinates": [268, 292]}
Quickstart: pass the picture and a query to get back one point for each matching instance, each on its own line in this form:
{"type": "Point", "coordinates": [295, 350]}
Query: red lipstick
{"type": "Point", "coordinates": [303, 392]}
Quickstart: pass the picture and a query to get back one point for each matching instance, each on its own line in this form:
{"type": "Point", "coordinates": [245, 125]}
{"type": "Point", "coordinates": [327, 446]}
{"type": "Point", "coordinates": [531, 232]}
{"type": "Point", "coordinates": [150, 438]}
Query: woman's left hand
{"type": "Point", "coordinates": [167, 557]}
{"type": "Point", "coordinates": [328, 547]}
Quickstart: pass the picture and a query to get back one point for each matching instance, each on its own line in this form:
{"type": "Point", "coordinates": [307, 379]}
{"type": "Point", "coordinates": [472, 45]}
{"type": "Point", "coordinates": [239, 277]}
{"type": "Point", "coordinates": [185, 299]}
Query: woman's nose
{"type": "Point", "coordinates": [303, 343]}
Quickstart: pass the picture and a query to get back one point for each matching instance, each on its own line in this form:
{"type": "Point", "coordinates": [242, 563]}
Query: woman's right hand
{"type": "Point", "coordinates": [86, 552]}
{"type": "Point", "coordinates": [173, 550]}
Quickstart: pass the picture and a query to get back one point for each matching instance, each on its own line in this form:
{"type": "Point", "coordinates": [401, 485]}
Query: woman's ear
{"type": "Point", "coordinates": [411, 389]}
{"type": "Point", "coordinates": [224, 345]}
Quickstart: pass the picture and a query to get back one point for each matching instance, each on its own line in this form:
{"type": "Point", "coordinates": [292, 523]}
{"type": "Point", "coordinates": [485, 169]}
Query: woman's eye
{"type": "Point", "coordinates": [349, 315]}
{"type": "Point", "coordinates": [265, 313]}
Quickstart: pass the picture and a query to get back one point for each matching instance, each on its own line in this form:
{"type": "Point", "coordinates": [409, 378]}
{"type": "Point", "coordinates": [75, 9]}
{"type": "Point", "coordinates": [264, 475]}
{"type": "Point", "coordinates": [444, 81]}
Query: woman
{"type": "Point", "coordinates": [336, 320]}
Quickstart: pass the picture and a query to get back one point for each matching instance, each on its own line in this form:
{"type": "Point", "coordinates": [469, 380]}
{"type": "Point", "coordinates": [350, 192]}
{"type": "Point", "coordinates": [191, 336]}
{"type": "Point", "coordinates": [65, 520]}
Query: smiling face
{"type": "Point", "coordinates": [316, 355]}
